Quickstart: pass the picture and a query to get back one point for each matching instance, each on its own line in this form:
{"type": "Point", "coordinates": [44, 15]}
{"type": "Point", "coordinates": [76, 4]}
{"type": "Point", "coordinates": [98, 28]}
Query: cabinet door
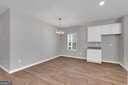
{"type": "Point", "coordinates": [111, 29]}
{"type": "Point", "coordinates": [94, 55]}
{"type": "Point", "coordinates": [94, 34]}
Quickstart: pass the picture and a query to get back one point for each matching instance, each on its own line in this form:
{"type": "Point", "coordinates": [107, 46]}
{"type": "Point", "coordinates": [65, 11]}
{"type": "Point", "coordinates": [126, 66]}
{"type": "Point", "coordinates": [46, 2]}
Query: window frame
{"type": "Point", "coordinates": [71, 38]}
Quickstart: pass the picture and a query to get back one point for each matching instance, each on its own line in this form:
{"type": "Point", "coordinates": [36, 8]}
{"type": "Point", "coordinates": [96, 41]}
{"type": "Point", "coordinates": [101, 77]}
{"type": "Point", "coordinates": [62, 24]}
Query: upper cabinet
{"type": "Point", "coordinates": [111, 29]}
{"type": "Point", "coordinates": [95, 32]}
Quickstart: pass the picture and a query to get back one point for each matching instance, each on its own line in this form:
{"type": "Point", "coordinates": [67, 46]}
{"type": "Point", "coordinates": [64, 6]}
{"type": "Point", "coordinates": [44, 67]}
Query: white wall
{"type": "Point", "coordinates": [4, 39]}
{"type": "Point", "coordinates": [125, 42]}
{"type": "Point", "coordinates": [31, 41]}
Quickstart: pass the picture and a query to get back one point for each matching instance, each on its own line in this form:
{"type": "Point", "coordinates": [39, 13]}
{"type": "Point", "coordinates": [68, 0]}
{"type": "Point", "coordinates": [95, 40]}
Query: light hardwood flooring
{"type": "Point", "coordinates": [68, 71]}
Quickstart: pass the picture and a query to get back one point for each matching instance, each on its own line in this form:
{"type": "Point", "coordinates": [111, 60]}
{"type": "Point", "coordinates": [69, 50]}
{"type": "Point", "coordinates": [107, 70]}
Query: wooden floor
{"type": "Point", "coordinates": [68, 71]}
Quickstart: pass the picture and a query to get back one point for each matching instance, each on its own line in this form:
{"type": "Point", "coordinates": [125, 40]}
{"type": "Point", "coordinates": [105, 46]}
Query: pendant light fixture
{"type": "Point", "coordinates": [60, 24]}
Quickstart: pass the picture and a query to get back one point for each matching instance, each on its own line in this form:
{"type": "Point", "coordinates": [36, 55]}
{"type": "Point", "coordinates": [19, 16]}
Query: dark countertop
{"type": "Point", "coordinates": [94, 48]}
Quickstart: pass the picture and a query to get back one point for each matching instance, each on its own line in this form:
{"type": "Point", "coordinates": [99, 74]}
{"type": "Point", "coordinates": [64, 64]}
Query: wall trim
{"type": "Point", "coordinates": [77, 57]}
{"type": "Point", "coordinates": [5, 69]}
{"type": "Point", "coordinates": [125, 67]}
{"type": "Point", "coordinates": [30, 65]}
{"type": "Point", "coordinates": [114, 62]}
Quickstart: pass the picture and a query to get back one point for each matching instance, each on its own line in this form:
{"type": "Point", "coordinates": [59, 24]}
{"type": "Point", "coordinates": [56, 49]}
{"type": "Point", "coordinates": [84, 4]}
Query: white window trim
{"type": "Point", "coordinates": [71, 40]}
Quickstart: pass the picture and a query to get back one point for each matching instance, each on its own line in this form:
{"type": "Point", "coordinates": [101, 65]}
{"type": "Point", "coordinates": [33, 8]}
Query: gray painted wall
{"type": "Point", "coordinates": [81, 41]}
{"type": "Point", "coordinates": [31, 41]}
{"type": "Point", "coordinates": [121, 48]}
{"type": "Point", "coordinates": [25, 40]}
{"type": "Point", "coordinates": [4, 39]}
{"type": "Point", "coordinates": [110, 48]}
{"type": "Point", "coordinates": [125, 41]}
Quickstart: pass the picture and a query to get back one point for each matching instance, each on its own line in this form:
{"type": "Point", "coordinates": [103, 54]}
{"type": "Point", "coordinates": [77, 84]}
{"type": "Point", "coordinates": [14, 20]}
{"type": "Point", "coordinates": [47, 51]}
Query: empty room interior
{"type": "Point", "coordinates": [63, 42]}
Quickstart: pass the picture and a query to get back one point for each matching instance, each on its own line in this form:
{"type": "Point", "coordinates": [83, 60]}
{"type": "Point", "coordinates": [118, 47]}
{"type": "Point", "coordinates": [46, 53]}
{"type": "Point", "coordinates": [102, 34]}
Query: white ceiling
{"type": "Point", "coordinates": [72, 12]}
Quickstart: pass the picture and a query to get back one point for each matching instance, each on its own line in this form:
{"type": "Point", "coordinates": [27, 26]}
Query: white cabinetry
{"type": "Point", "coordinates": [111, 29]}
{"type": "Point", "coordinates": [94, 55]}
{"type": "Point", "coordinates": [94, 34]}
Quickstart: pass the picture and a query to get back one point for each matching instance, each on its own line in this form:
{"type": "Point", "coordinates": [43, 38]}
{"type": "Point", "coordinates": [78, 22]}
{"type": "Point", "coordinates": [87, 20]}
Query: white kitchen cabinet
{"type": "Point", "coordinates": [111, 29]}
{"type": "Point", "coordinates": [94, 55]}
{"type": "Point", "coordinates": [94, 34]}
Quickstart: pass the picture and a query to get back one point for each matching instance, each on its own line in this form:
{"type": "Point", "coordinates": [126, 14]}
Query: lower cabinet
{"type": "Point", "coordinates": [94, 55]}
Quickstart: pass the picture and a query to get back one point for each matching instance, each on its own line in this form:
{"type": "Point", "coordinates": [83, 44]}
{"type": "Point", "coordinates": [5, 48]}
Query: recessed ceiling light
{"type": "Point", "coordinates": [101, 3]}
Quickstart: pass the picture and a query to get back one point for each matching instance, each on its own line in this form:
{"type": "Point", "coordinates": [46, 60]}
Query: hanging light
{"type": "Point", "coordinates": [59, 32]}
{"type": "Point", "coordinates": [60, 21]}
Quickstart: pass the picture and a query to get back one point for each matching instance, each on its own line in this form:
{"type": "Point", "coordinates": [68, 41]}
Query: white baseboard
{"type": "Point", "coordinates": [36, 63]}
{"type": "Point", "coordinates": [125, 67]}
{"type": "Point", "coordinates": [27, 66]}
{"type": "Point", "coordinates": [114, 62]}
{"type": "Point", "coordinates": [5, 69]}
{"type": "Point", "coordinates": [77, 57]}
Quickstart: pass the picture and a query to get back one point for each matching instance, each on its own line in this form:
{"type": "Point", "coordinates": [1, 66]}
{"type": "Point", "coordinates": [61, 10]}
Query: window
{"type": "Point", "coordinates": [72, 41]}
